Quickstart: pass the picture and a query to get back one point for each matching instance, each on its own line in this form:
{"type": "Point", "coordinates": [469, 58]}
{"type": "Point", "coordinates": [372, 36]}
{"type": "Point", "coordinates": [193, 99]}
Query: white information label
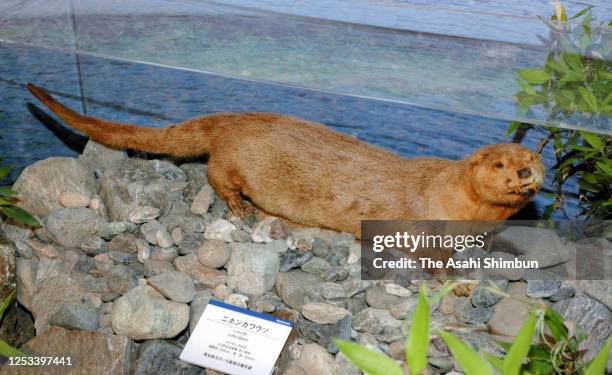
{"type": "Point", "coordinates": [236, 341]}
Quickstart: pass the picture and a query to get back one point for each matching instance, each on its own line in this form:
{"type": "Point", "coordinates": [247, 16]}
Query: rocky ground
{"type": "Point", "coordinates": [132, 250]}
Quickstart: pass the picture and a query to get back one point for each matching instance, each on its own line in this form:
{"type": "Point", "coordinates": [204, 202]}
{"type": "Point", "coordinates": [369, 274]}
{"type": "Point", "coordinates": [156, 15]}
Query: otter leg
{"type": "Point", "coordinates": [227, 185]}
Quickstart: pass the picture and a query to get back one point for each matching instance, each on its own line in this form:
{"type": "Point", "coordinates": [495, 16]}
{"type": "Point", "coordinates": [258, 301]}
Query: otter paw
{"type": "Point", "coordinates": [464, 289]}
{"type": "Point", "coordinates": [243, 209]}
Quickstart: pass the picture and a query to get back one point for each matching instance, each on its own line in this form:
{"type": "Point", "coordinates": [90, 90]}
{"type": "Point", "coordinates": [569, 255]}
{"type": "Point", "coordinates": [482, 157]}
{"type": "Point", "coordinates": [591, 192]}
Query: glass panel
{"type": "Point", "coordinates": [352, 48]}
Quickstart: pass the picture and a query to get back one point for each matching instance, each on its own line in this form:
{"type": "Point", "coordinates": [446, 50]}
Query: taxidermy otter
{"type": "Point", "coordinates": [311, 175]}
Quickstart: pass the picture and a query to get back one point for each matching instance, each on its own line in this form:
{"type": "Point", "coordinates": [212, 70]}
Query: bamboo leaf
{"type": "Point", "coordinates": [589, 98]}
{"type": "Point", "coordinates": [4, 171]}
{"type": "Point", "coordinates": [536, 76]}
{"type": "Point", "coordinates": [6, 191]}
{"type": "Point", "coordinates": [519, 349]}
{"type": "Point", "coordinates": [470, 361]}
{"type": "Point", "coordinates": [417, 343]}
{"type": "Point", "coordinates": [8, 351]}
{"type": "Point", "coordinates": [582, 12]}
{"type": "Point", "coordinates": [20, 215]}
{"type": "Point", "coordinates": [599, 363]}
{"type": "Point", "coordinates": [6, 303]}
{"type": "Point", "coordinates": [367, 360]}
{"type": "Point", "coordinates": [446, 288]}
{"type": "Point", "coordinates": [592, 139]}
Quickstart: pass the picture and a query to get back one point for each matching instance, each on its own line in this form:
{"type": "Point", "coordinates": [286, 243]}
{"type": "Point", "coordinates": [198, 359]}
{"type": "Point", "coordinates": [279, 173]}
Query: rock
{"type": "Point", "coordinates": [92, 352]}
{"type": "Point", "coordinates": [238, 235]}
{"type": "Point", "coordinates": [202, 276]}
{"type": "Point", "coordinates": [341, 243]}
{"type": "Point", "coordinates": [199, 303]}
{"type": "Point", "coordinates": [70, 227]}
{"type": "Point", "coordinates": [144, 214]}
{"type": "Point", "coordinates": [371, 320]}
{"type": "Point", "coordinates": [143, 313]}
{"type": "Point", "coordinates": [447, 304]}
{"type": "Point", "coordinates": [320, 248]}
{"type": "Point", "coordinates": [397, 290]}
{"type": "Point", "coordinates": [213, 253]}
{"type": "Point", "coordinates": [601, 290]}
{"type": "Point", "coordinates": [511, 312]}
{"type": "Point", "coordinates": [109, 230]}
{"type": "Point", "coordinates": [177, 235]}
{"type": "Point", "coordinates": [163, 239]}
{"type": "Point", "coordinates": [332, 291]}
{"type": "Point", "coordinates": [591, 318]}
{"type": "Point", "coordinates": [100, 158]}
{"type": "Point", "coordinates": [103, 263]}
{"type": "Point", "coordinates": [266, 303]}
{"type": "Point", "coordinates": [42, 183]}
{"type": "Point", "coordinates": [125, 242]}
{"type": "Point", "coordinates": [293, 259]}
{"type": "Point", "coordinates": [315, 266]}
{"type": "Point", "coordinates": [130, 184]}
{"type": "Point", "coordinates": [175, 285]}
{"type": "Point", "coordinates": [316, 360]}
{"type": "Point", "coordinates": [121, 257]}
{"type": "Point", "coordinates": [143, 250]}
{"type": "Point", "coordinates": [81, 315]}
{"type": "Point", "coordinates": [563, 293]}
{"type": "Point", "coordinates": [252, 269]}
{"type": "Point", "coordinates": [25, 277]}
{"type": "Point", "coordinates": [23, 250]}
{"type": "Point", "coordinates": [355, 286]}
{"type": "Point", "coordinates": [483, 296]}
{"type": "Point", "coordinates": [324, 334]}
{"type": "Point", "coordinates": [377, 297]}
{"type": "Point", "coordinates": [156, 267]}
{"type": "Point", "coordinates": [8, 271]}
{"type": "Point", "coordinates": [219, 229]}
{"type": "Point", "coordinates": [161, 357]}
{"type": "Point", "coordinates": [94, 245]}
{"type": "Point", "coordinates": [149, 231]}
{"type": "Point", "coordinates": [195, 224]}
{"type": "Point", "coordinates": [166, 254]}
{"type": "Point", "coordinates": [541, 245]}
{"type": "Point", "coordinates": [176, 179]}
{"type": "Point", "coordinates": [323, 313]}
{"type": "Point", "coordinates": [335, 273]}
{"type": "Point", "coordinates": [13, 231]}
{"type": "Point", "coordinates": [512, 274]}
{"type": "Point", "coordinates": [269, 229]}
{"type": "Point", "coordinates": [404, 309]}
{"type": "Point", "coordinates": [41, 249]}
{"type": "Point", "coordinates": [73, 200]}
{"type": "Point", "coordinates": [296, 288]}
{"type": "Point", "coordinates": [541, 284]}
{"type": "Point", "coordinates": [236, 299]}
{"type": "Point", "coordinates": [121, 279]}
{"type": "Point", "coordinates": [343, 366]}
{"type": "Point", "coordinates": [295, 370]}
{"type": "Point", "coordinates": [203, 200]}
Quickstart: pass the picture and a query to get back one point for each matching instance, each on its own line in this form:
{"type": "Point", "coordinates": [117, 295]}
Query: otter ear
{"type": "Point", "coordinates": [478, 157]}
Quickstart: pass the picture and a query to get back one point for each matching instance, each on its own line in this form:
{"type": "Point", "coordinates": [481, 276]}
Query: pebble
{"type": "Point", "coordinates": [320, 247]}
{"type": "Point", "coordinates": [397, 290]}
{"type": "Point", "coordinates": [124, 242]}
{"type": "Point", "coordinates": [42, 249]}
{"type": "Point", "coordinates": [332, 291]}
{"type": "Point", "coordinates": [81, 315]}
{"type": "Point", "coordinates": [483, 296]}
{"type": "Point", "coordinates": [163, 239]}
{"type": "Point", "coordinates": [143, 250]}
{"type": "Point", "coordinates": [149, 231]}
{"type": "Point", "coordinates": [316, 360]}
{"type": "Point", "coordinates": [94, 245]}
{"type": "Point", "coordinates": [236, 299]}
{"type": "Point", "coordinates": [168, 254]}
{"type": "Point", "coordinates": [296, 288]}
{"type": "Point", "coordinates": [252, 269]}
{"type": "Point", "coordinates": [219, 229]}
{"type": "Point", "coordinates": [174, 285]}
{"type": "Point", "coordinates": [70, 227]}
{"type": "Point", "coordinates": [315, 266]}
{"type": "Point", "coordinates": [202, 276]}
{"type": "Point", "coordinates": [213, 253]}
{"type": "Point", "coordinates": [143, 214]}
{"type": "Point", "coordinates": [404, 309]}
{"type": "Point", "coordinates": [113, 228]}
{"type": "Point", "coordinates": [177, 235]}
{"type": "Point", "coordinates": [293, 259]}
{"type": "Point", "coordinates": [121, 279]}
{"type": "Point", "coordinates": [511, 312]}
{"type": "Point", "coordinates": [371, 320]}
{"type": "Point", "coordinates": [155, 267]}
{"type": "Point", "coordinates": [239, 235]}
{"type": "Point", "coordinates": [73, 200]}
{"type": "Point", "coordinates": [203, 200]}
{"type": "Point", "coordinates": [377, 297]}
{"type": "Point", "coordinates": [323, 313]}
{"type": "Point", "coordinates": [541, 284]}
{"type": "Point", "coordinates": [269, 229]}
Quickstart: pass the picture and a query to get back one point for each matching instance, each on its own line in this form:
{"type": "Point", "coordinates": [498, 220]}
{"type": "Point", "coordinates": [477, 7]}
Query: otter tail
{"type": "Point", "coordinates": [175, 140]}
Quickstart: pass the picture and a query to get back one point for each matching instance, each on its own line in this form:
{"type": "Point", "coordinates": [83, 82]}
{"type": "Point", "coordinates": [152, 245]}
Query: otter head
{"type": "Point", "coordinates": [506, 174]}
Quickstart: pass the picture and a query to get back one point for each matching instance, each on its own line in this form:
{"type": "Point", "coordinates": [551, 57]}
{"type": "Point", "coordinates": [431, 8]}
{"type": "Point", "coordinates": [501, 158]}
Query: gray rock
{"type": "Point", "coordinates": [143, 250]}
{"type": "Point", "coordinates": [168, 254]}
{"type": "Point", "coordinates": [511, 312]}
{"type": "Point", "coordinates": [163, 238]}
{"type": "Point", "coordinates": [513, 274]}
{"type": "Point", "coordinates": [199, 303]}
{"type": "Point", "coordinates": [252, 269]}
{"type": "Point", "coordinates": [296, 288]}
{"type": "Point", "coordinates": [315, 266]}
{"type": "Point", "coordinates": [323, 313]}
{"type": "Point", "coordinates": [161, 357]}
{"type": "Point", "coordinates": [541, 284]}
{"type": "Point", "coordinates": [97, 157]}
{"type": "Point", "coordinates": [125, 242]}
{"type": "Point", "coordinates": [178, 215]}
{"type": "Point", "coordinates": [13, 231]}
{"type": "Point", "coordinates": [371, 320]}
{"type": "Point", "coordinates": [320, 248]}
{"type": "Point", "coordinates": [202, 276]}
{"type": "Point", "coordinates": [465, 313]}
{"type": "Point", "coordinates": [121, 279]}
{"type": "Point", "coordinates": [601, 290]}
{"type": "Point", "coordinates": [144, 214]}
{"type": "Point", "coordinates": [176, 178]}
{"type": "Point", "coordinates": [143, 313]}
{"type": "Point", "coordinates": [332, 291]}
{"type": "Point", "coordinates": [591, 318]}
{"type": "Point", "coordinates": [149, 231]}
{"type": "Point", "coordinates": [175, 285]}
{"type": "Point", "coordinates": [541, 245]}
{"type": "Point", "coordinates": [177, 235]}
{"type": "Point", "coordinates": [130, 184]}
{"type": "Point", "coordinates": [335, 273]}
{"type": "Point", "coordinates": [23, 249]}
{"type": "Point", "coordinates": [190, 243]}
{"type": "Point", "coordinates": [41, 183]}
{"type": "Point", "coordinates": [355, 286]}
{"type": "Point", "coordinates": [293, 259]}
{"type": "Point", "coordinates": [238, 235]}
{"type": "Point", "coordinates": [94, 245]}
{"type": "Point", "coordinates": [337, 259]}
{"type": "Point", "coordinates": [378, 298]}
{"type": "Point", "coordinates": [564, 293]}
{"type": "Point", "coordinates": [42, 249]}
{"type": "Point", "coordinates": [195, 223]}
{"type": "Point", "coordinates": [70, 227]}
{"type": "Point", "coordinates": [26, 280]}
{"type": "Point", "coordinates": [95, 284]}
{"type": "Point", "coordinates": [113, 228]}
{"type": "Point", "coordinates": [269, 229]}
{"type": "Point", "coordinates": [219, 229]}
{"type": "Point", "coordinates": [404, 309]}
{"type": "Point", "coordinates": [213, 253]}
{"type": "Point", "coordinates": [155, 267]}
{"type": "Point", "coordinates": [316, 360]}
{"type": "Point", "coordinates": [266, 303]}
{"type": "Point", "coordinates": [81, 315]}
{"type": "Point", "coordinates": [483, 296]}
{"type": "Point", "coordinates": [324, 334]}
{"type": "Point", "coordinates": [203, 200]}
{"type": "Point", "coordinates": [121, 257]}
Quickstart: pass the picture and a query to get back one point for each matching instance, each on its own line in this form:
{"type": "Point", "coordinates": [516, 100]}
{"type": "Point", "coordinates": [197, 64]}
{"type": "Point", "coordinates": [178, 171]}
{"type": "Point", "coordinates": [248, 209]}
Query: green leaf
{"type": "Point", "coordinates": [593, 139]}
{"type": "Point", "coordinates": [589, 98]}
{"type": "Point", "coordinates": [6, 191]}
{"type": "Point", "coordinates": [470, 361]}
{"type": "Point", "coordinates": [555, 323]}
{"type": "Point", "coordinates": [367, 360]}
{"type": "Point", "coordinates": [527, 88]}
{"type": "Point", "coordinates": [519, 349]}
{"type": "Point", "coordinates": [572, 77]}
{"type": "Point", "coordinates": [8, 351]}
{"type": "Point", "coordinates": [599, 363]}
{"type": "Point", "coordinates": [573, 60]}
{"type": "Point", "coordinates": [512, 128]}
{"type": "Point", "coordinates": [417, 343]}
{"type": "Point", "coordinates": [4, 171]}
{"type": "Point", "coordinates": [536, 76]}
{"type": "Point", "coordinates": [582, 12]}
{"type": "Point", "coordinates": [497, 363]}
{"type": "Point", "coordinates": [20, 215]}
{"type": "Point", "coordinates": [559, 67]}
{"type": "Point", "coordinates": [6, 303]}
{"type": "Point", "coordinates": [605, 167]}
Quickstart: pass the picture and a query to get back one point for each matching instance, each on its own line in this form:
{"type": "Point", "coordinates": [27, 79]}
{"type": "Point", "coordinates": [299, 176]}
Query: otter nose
{"type": "Point", "coordinates": [524, 173]}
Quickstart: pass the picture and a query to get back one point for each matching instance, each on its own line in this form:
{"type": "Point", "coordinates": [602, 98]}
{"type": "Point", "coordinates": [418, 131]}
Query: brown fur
{"type": "Point", "coordinates": [312, 175]}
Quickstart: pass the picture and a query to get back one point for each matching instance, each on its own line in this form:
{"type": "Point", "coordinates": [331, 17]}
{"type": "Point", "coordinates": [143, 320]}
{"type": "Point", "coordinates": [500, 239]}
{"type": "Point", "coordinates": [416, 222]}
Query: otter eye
{"type": "Point", "coordinates": [499, 164]}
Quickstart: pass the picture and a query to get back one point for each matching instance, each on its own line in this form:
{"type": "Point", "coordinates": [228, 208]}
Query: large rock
{"type": "Point", "coordinates": [541, 245]}
{"type": "Point", "coordinates": [26, 281]}
{"type": "Point", "coordinates": [252, 268]}
{"type": "Point", "coordinates": [591, 318]}
{"type": "Point", "coordinates": [316, 360]}
{"type": "Point", "coordinates": [42, 183]}
{"type": "Point", "coordinates": [130, 184]}
{"type": "Point", "coordinates": [600, 290]}
{"type": "Point", "coordinates": [100, 158]}
{"type": "Point", "coordinates": [511, 312]}
{"type": "Point", "coordinates": [71, 227]}
{"type": "Point", "coordinates": [297, 288]}
{"type": "Point", "coordinates": [371, 320]}
{"type": "Point", "coordinates": [143, 313]}
{"type": "Point", "coordinates": [175, 285]}
{"type": "Point", "coordinates": [161, 357]}
{"type": "Point", "coordinates": [201, 275]}
{"type": "Point", "coordinates": [90, 352]}
{"type": "Point", "coordinates": [198, 305]}
{"type": "Point", "coordinates": [7, 270]}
